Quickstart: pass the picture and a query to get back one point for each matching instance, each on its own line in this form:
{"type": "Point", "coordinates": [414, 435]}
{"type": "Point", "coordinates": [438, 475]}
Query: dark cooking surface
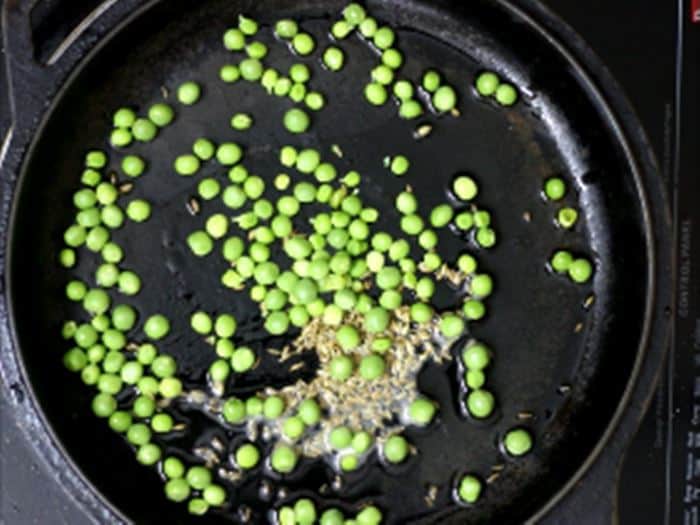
{"type": "Point", "coordinates": [498, 389]}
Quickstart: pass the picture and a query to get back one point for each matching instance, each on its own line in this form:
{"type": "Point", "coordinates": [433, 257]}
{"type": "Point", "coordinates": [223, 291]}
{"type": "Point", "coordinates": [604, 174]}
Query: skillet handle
{"type": "Point", "coordinates": [33, 83]}
{"type": "Point", "coordinates": [28, 80]}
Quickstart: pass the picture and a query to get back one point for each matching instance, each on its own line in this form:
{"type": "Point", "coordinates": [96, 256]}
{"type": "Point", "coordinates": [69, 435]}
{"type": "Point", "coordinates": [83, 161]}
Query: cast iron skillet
{"type": "Point", "coordinates": [573, 122]}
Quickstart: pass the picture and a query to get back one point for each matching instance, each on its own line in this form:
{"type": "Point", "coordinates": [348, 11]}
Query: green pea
{"type": "Point", "coordinates": [567, 218]}
{"type": "Point", "coordinates": [277, 323]}
{"type": "Point", "coordinates": [476, 356]}
{"type": "Point", "coordinates": [296, 121]}
{"type": "Point", "coordinates": [146, 353]}
{"type": "Point", "coordinates": [341, 368]}
{"type": "Point", "coordinates": [256, 50]}
{"type": "Point", "coordinates": [200, 243]}
{"type": "Point", "coordinates": [561, 261]}
{"type": "Point", "coordinates": [481, 286]}
{"type": "Point", "coordinates": [156, 327]}
{"type": "Point", "coordinates": [186, 165]}
{"type": "Point", "coordinates": [303, 44]}
{"type": "Point", "coordinates": [234, 410]}
{"type": "Point", "coordinates": [334, 58]}
{"type": "Point", "coordinates": [104, 405]}
{"type": "Point", "coordinates": [283, 459]}
{"type": "Point", "coordinates": [229, 73]}
{"type": "Point", "coordinates": [120, 421]}
{"type": "Point", "coordinates": [106, 193]}
{"type": "Point", "coordinates": [120, 138]}
{"type": "Point", "coordinates": [451, 326]}
{"type": "Point", "coordinates": [400, 165]}
{"type": "Point", "coordinates": [384, 38]}
{"type": "Point", "coordinates": [392, 58]}
{"type": "Point", "coordinates": [421, 411]}
{"type": "Point", "coordinates": [315, 101]}
{"type": "Point", "coordinates": [469, 489]}
{"type": "Point", "coordinates": [324, 172]}
{"type": "Point", "coordinates": [293, 428]}
{"type": "Point", "coordinates": [444, 99]}
{"type": "Point", "coordinates": [298, 92]}
{"type": "Point", "coordinates": [177, 490]}
{"type": "Point", "coordinates": [219, 371]}
{"type": "Point", "coordinates": [406, 203]}
{"type": "Point", "coordinates": [138, 210]}
{"type": "Point", "coordinates": [124, 118]}
{"type": "Point", "coordinates": [487, 83]}
{"type": "Point", "coordinates": [189, 93]}
{"type": "Point", "coordinates": [354, 14]}
{"type": "Point", "coordinates": [555, 189]}
{"type": "Point", "coordinates": [486, 237]}
{"type": "Point", "coordinates": [234, 40]}
{"type": "Point", "coordinates": [348, 337]}
{"type": "Point", "coordinates": [517, 442]}
{"type": "Point", "coordinates": [506, 95]}
{"type": "Point", "coordinates": [247, 456]}
{"type": "Point", "coordinates": [383, 75]}
{"type": "Point", "coordinates": [242, 360]}
{"type": "Point", "coordinates": [376, 94]}
{"type": "Point", "coordinates": [580, 271]}
{"type": "Point", "coordinates": [369, 516]}
{"type": "Point", "coordinates": [75, 360]}
{"type": "Point", "coordinates": [144, 130]}
{"type": "Point", "coordinates": [161, 114]}
{"type": "Point", "coordinates": [368, 27]}
{"type": "Point", "coordinates": [286, 29]}
{"type": "Point", "coordinates": [395, 449]}
{"type": "Point", "coordinates": [282, 87]}
{"type": "Point", "coordinates": [372, 367]}
{"type": "Point", "coordinates": [412, 224]}
{"type": "Point", "coordinates": [309, 412]}
{"type": "Point", "coordinates": [228, 153]}
{"type": "Point", "coordinates": [403, 90]}
{"type": "Point", "coordinates": [464, 188]}
{"type": "Point", "coordinates": [131, 372]}
{"type": "Point", "coordinates": [431, 81]}
{"type": "Point", "coordinates": [341, 29]}
{"type": "Point", "coordinates": [421, 313]}
{"type": "Point", "coordinates": [308, 161]}
{"type": "Point", "coordinates": [251, 69]}
{"type": "Point", "coordinates": [480, 403]}
{"type": "Point", "coordinates": [305, 511]}
{"type": "Point", "coordinates": [331, 517]}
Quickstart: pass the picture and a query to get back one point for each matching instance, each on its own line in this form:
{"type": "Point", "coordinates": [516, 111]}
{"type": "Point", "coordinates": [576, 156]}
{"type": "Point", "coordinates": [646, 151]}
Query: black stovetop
{"type": "Point", "coordinates": [660, 479]}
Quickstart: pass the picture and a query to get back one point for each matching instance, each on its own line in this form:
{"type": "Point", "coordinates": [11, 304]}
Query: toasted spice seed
{"type": "Point", "coordinates": [193, 206]}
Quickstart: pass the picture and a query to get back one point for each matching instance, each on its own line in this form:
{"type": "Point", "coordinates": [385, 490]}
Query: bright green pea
{"type": "Point", "coordinates": [334, 58]}
{"type": "Point", "coordinates": [234, 40]}
{"type": "Point", "coordinates": [395, 449]}
{"type": "Point", "coordinates": [296, 121]}
{"type": "Point", "coordinates": [286, 29]}
{"type": "Point", "coordinates": [580, 271]}
{"type": "Point", "coordinates": [283, 459]}
{"type": "Point", "coordinates": [487, 83]}
{"type": "Point", "coordinates": [517, 442]}
{"type": "Point", "coordinates": [480, 403]}
{"type": "Point", "coordinates": [469, 489]}
{"type": "Point", "coordinates": [421, 411]}
{"type": "Point", "coordinates": [303, 44]}
{"type": "Point", "coordinates": [506, 95]}
{"type": "Point", "coordinates": [376, 94]}
{"type": "Point", "coordinates": [189, 93]}
{"type": "Point", "coordinates": [372, 367]}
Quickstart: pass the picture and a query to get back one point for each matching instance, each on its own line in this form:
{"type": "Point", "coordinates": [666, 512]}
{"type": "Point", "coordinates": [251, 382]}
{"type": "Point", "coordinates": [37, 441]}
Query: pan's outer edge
{"type": "Point", "coordinates": [602, 463]}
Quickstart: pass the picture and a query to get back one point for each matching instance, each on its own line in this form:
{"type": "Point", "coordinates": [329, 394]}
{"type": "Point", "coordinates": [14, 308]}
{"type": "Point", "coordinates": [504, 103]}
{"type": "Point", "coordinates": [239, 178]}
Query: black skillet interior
{"type": "Point", "coordinates": [558, 130]}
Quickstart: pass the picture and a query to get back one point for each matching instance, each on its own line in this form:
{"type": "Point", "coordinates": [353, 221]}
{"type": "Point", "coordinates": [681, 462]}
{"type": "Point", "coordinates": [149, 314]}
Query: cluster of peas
{"type": "Point", "coordinates": [489, 85]}
{"type": "Point", "coordinates": [304, 512]}
{"type": "Point", "coordinates": [335, 260]}
{"type": "Point", "coordinates": [579, 270]}
{"type": "Point", "coordinates": [102, 353]}
{"type": "Point", "coordinates": [328, 279]}
{"type": "Point", "coordinates": [384, 77]}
